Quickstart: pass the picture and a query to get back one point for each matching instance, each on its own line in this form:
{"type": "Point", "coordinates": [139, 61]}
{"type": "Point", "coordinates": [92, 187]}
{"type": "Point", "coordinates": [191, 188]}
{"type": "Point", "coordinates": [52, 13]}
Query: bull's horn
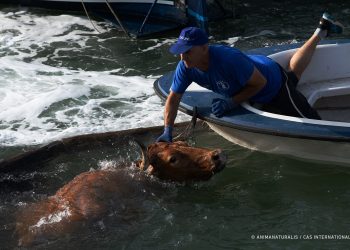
{"type": "Point", "coordinates": [145, 160]}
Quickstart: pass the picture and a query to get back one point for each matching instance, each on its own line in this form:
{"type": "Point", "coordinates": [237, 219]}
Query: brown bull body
{"type": "Point", "coordinates": [88, 196]}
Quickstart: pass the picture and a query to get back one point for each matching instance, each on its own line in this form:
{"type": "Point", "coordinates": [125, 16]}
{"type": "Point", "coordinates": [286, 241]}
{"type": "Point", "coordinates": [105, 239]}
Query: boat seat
{"type": "Point", "coordinates": [316, 90]}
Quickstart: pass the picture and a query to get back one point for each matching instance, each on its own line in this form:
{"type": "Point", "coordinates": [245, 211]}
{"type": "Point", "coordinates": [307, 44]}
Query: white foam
{"type": "Point", "coordinates": [41, 103]}
{"type": "Point", "coordinates": [107, 165]}
{"type": "Point", "coordinates": [232, 40]}
{"type": "Point", "coordinates": [23, 30]}
{"type": "Point", "coordinates": [158, 43]}
{"type": "Point", "coordinates": [53, 218]}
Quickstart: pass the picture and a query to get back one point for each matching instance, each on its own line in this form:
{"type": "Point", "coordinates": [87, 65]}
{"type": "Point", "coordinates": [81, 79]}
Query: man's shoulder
{"type": "Point", "coordinates": [180, 68]}
{"type": "Point", "coordinates": [182, 72]}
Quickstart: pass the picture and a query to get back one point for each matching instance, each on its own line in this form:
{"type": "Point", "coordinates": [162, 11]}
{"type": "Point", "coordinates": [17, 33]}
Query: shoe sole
{"type": "Point", "coordinates": [335, 27]}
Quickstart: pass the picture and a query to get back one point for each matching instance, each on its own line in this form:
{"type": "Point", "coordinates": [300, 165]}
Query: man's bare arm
{"type": "Point", "coordinates": [256, 82]}
{"type": "Point", "coordinates": [171, 107]}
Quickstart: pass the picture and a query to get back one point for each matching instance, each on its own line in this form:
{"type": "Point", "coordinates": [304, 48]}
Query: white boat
{"type": "Point", "coordinates": [325, 83]}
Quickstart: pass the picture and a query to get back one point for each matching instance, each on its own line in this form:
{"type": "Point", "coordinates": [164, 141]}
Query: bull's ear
{"type": "Point", "coordinates": [151, 170]}
{"type": "Point", "coordinates": [181, 143]}
{"type": "Point", "coordinates": [139, 164]}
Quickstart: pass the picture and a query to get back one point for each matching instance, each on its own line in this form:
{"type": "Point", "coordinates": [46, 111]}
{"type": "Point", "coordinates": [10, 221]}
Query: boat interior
{"type": "Point", "coordinates": [326, 81]}
{"type": "Point", "coordinates": [330, 98]}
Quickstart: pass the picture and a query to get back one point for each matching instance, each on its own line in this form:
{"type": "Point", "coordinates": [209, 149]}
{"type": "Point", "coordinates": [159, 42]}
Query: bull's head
{"type": "Point", "coordinates": [180, 162]}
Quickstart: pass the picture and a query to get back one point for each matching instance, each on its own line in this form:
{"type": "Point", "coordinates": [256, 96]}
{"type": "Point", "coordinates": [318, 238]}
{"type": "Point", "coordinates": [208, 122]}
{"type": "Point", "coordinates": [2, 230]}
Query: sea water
{"type": "Point", "coordinates": [59, 77]}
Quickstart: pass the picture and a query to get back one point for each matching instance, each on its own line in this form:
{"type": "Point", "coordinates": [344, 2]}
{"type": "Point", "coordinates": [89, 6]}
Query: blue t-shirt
{"type": "Point", "coordinates": [228, 72]}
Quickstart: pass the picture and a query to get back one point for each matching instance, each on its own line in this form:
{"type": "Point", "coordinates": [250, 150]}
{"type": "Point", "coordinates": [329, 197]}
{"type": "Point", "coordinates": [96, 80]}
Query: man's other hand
{"type": "Point", "coordinates": [219, 107]}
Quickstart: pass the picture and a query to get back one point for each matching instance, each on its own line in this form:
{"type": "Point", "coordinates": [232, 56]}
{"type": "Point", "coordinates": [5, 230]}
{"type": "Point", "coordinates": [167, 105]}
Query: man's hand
{"type": "Point", "coordinates": [167, 135]}
{"type": "Point", "coordinates": [219, 106]}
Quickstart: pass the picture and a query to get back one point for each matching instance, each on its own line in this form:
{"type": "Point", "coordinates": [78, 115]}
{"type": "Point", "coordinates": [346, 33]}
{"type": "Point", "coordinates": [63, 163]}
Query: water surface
{"type": "Point", "coordinates": [59, 77]}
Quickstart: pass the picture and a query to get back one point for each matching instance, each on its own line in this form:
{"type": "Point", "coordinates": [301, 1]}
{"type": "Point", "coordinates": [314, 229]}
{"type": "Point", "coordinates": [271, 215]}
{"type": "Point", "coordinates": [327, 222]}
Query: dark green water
{"type": "Point", "coordinates": [257, 194]}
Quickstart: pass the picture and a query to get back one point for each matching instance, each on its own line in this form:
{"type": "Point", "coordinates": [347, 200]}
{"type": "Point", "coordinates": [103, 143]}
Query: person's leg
{"type": "Point", "coordinates": [289, 101]}
{"type": "Point", "coordinates": [301, 59]}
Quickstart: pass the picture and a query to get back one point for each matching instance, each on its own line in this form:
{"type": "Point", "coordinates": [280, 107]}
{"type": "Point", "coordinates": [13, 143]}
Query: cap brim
{"type": "Point", "coordinates": [177, 49]}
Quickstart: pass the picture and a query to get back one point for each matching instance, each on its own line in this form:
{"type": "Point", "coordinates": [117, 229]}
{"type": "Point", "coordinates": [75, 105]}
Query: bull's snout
{"type": "Point", "coordinates": [219, 160]}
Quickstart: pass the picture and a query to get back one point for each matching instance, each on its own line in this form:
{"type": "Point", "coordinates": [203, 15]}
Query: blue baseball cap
{"type": "Point", "coordinates": [189, 37]}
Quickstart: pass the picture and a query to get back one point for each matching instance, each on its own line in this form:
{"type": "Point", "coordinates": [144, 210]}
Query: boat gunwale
{"type": "Point", "coordinates": [254, 129]}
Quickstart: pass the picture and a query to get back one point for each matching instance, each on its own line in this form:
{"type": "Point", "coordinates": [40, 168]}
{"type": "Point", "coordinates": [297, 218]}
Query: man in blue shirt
{"type": "Point", "coordinates": [239, 77]}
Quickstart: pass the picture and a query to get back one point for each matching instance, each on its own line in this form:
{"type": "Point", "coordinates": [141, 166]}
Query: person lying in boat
{"type": "Point", "coordinates": [239, 77]}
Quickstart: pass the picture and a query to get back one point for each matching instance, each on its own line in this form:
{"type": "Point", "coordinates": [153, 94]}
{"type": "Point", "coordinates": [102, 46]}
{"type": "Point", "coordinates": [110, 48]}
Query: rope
{"type": "Point", "coordinates": [87, 14]}
{"type": "Point", "coordinates": [116, 18]}
{"type": "Point", "coordinates": [188, 131]}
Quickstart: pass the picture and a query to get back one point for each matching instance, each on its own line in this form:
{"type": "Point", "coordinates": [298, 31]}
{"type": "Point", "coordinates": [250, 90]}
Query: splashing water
{"type": "Point", "coordinates": [44, 96]}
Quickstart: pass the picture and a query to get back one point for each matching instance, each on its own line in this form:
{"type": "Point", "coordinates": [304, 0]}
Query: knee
{"type": "Point", "coordinates": [297, 72]}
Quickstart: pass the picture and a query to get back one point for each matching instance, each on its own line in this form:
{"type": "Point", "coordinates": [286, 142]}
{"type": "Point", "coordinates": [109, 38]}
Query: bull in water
{"type": "Point", "coordinates": [89, 195]}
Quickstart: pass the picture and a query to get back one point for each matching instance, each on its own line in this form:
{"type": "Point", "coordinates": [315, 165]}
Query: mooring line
{"type": "Point", "coordinates": [87, 14]}
{"type": "Point", "coordinates": [116, 18]}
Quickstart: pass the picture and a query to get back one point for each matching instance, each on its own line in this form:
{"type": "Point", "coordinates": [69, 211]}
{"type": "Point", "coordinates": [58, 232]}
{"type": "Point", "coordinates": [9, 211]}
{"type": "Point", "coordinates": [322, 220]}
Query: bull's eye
{"type": "Point", "coordinates": [172, 159]}
{"type": "Point", "coordinates": [216, 157]}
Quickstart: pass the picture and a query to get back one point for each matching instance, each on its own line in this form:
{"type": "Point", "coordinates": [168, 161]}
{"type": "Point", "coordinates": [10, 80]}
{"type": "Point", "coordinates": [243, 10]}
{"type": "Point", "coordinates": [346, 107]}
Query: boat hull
{"type": "Point", "coordinates": [124, 8]}
{"type": "Point", "coordinates": [165, 15]}
{"type": "Point", "coordinates": [316, 150]}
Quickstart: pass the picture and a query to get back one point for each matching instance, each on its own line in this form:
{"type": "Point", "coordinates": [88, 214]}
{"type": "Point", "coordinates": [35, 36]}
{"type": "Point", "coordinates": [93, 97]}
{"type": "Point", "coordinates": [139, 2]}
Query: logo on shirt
{"type": "Point", "coordinates": [222, 85]}
{"type": "Point", "coordinates": [184, 38]}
